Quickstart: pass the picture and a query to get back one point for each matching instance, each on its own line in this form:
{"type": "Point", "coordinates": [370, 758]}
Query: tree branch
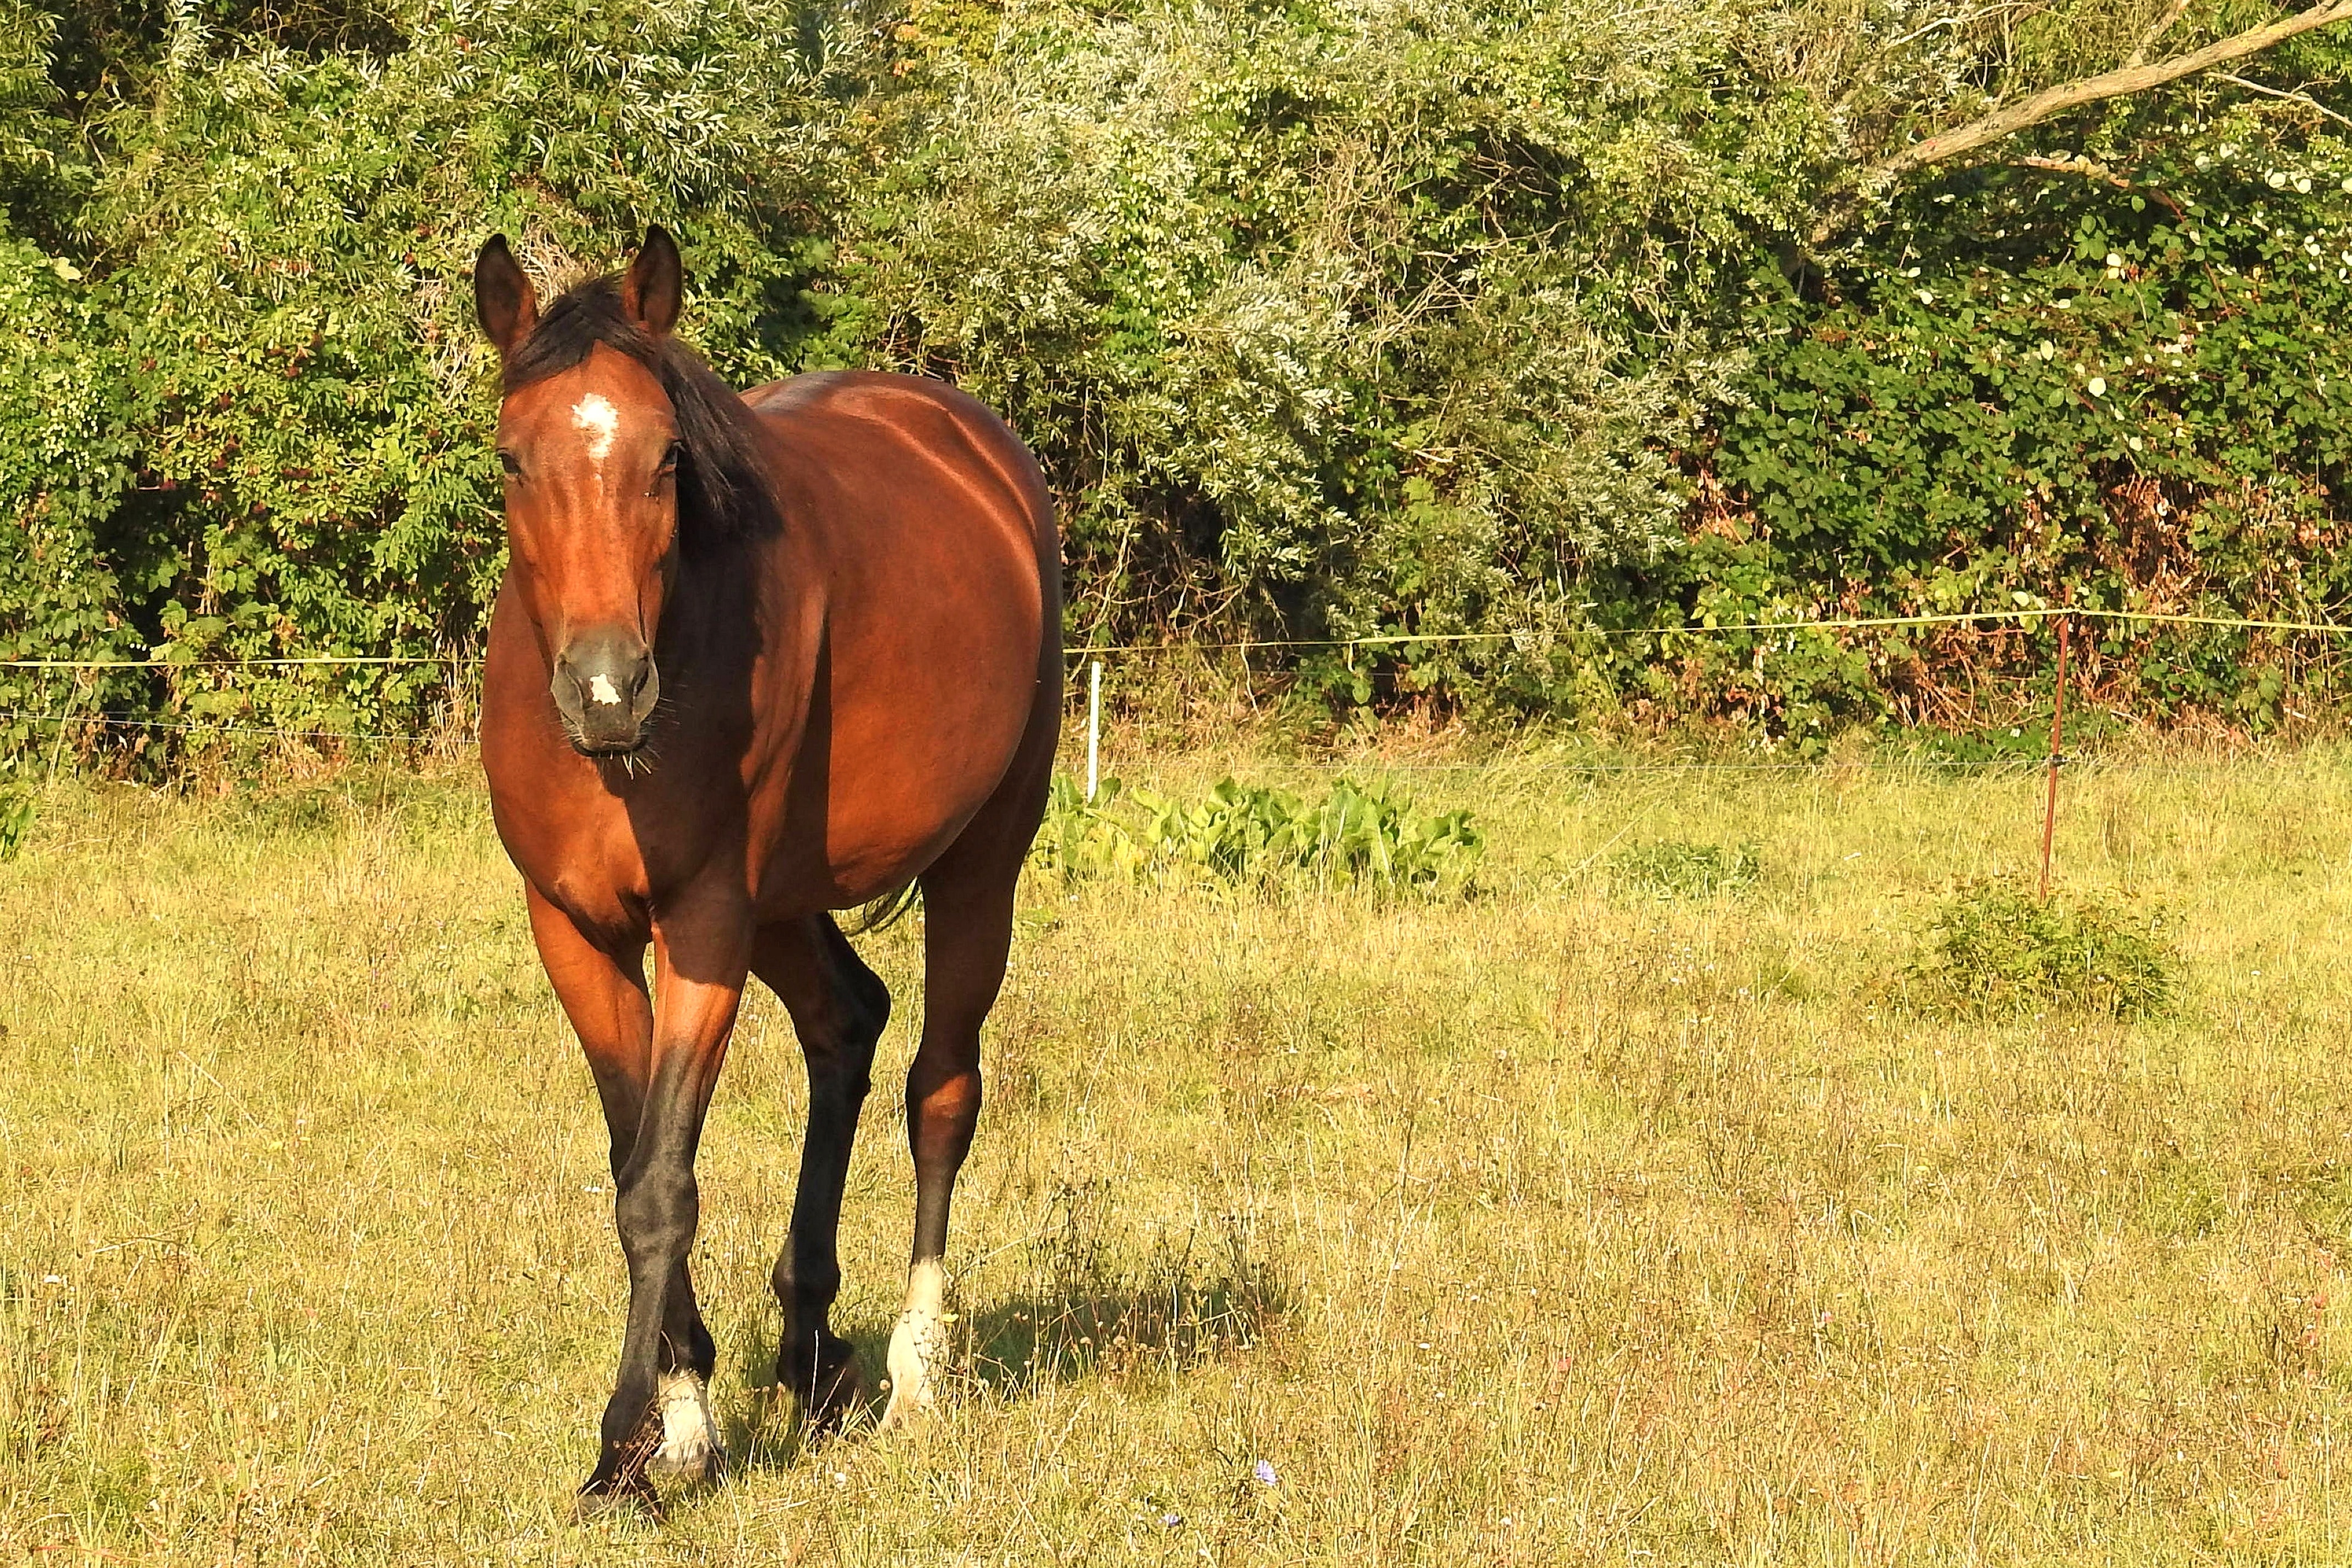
{"type": "Point", "coordinates": [2013, 117]}
{"type": "Point", "coordinates": [2304, 98]}
{"type": "Point", "coordinates": [2089, 168]}
{"type": "Point", "coordinates": [2156, 30]}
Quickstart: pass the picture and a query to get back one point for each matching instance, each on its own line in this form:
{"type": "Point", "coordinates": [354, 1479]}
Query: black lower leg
{"type": "Point", "coordinates": [943, 1112]}
{"type": "Point", "coordinates": [839, 1007]}
{"type": "Point", "coordinates": [816, 1363]}
{"type": "Point", "coordinates": [813, 1362]}
{"type": "Point", "coordinates": [685, 1343]}
{"type": "Point", "coordinates": [658, 1212]}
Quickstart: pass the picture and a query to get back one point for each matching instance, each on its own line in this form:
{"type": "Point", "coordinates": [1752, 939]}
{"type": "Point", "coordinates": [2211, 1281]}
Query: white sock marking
{"type": "Point", "coordinates": [919, 1345]}
{"type": "Point", "coordinates": [689, 1436]}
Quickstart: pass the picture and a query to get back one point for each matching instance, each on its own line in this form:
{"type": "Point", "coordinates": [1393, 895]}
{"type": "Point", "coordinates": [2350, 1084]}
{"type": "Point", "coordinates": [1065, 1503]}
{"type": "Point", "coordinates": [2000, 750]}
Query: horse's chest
{"type": "Point", "coordinates": [578, 850]}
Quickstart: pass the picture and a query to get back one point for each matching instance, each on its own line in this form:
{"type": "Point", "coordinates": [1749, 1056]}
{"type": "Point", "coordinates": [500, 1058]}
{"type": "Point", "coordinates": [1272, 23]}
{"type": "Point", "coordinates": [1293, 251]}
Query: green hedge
{"type": "Point", "coordinates": [1327, 321]}
{"type": "Point", "coordinates": [2073, 394]}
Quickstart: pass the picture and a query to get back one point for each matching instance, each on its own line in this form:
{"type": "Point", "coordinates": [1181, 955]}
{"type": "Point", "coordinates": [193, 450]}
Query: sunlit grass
{"type": "Point", "coordinates": [1564, 1223]}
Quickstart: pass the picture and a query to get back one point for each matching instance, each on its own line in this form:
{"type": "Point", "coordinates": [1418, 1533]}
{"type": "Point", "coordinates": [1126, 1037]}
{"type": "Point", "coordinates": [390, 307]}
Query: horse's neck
{"type": "Point", "coordinates": [742, 607]}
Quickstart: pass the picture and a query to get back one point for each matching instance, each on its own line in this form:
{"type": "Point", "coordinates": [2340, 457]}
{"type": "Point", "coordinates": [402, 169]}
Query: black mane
{"type": "Point", "coordinates": [722, 484]}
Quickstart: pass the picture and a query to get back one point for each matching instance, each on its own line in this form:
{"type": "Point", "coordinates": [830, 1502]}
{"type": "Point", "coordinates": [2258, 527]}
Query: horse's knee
{"type": "Point", "coordinates": [657, 1215]}
{"type": "Point", "coordinates": [935, 1087]}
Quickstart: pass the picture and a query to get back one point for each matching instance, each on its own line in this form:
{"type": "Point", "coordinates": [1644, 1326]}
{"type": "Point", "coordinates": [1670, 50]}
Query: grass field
{"type": "Point", "coordinates": [1559, 1224]}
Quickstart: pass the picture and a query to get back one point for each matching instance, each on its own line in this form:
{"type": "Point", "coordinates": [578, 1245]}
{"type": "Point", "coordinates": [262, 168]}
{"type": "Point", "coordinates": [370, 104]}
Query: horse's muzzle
{"type": "Point", "coordinates": [605, 687]}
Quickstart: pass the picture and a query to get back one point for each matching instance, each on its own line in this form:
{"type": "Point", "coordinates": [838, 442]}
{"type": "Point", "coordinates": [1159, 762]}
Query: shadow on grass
{"type": "Point", "coordinates": [1033, 1340]}
{"type": "Point", "coordinates": [1072, 1316]}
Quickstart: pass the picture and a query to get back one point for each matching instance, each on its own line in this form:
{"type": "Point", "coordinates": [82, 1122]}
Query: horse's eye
{"type": "Point", "coordinates": [507, 461]}
{"type": "Point", "coordinates": [671, 455]}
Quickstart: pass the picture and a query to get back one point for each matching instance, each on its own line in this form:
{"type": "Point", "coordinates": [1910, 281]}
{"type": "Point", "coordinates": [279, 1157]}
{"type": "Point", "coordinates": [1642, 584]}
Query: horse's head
{"type": "Point", "coordinates": [590, 437]}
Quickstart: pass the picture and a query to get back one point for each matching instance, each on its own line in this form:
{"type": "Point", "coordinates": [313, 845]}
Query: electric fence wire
{"type": "Point", "coordinates": [2022, 616]}
{"type": "Point", "coordinates": [2025, 613]}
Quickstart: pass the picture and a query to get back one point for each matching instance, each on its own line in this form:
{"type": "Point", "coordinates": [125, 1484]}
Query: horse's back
{"type": "Point", "coordinates": [848, 408]}
{"type": "Point", "coordinates": [876, 454]}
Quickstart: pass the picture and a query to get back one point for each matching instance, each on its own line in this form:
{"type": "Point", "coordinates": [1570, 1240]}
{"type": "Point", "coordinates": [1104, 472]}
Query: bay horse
{"type": "Point", "coordinates": [756, 659]}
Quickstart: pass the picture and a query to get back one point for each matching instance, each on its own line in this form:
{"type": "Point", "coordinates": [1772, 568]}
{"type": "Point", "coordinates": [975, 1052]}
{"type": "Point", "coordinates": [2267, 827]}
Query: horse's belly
{"type": "Point", "coordinates": [895, 784]}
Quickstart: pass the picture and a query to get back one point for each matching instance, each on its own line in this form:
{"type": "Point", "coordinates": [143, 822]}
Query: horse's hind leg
{"type": "Point", "coordinates": [967, 934]}
{"type": "Point", "coordinates": [838, 1008]}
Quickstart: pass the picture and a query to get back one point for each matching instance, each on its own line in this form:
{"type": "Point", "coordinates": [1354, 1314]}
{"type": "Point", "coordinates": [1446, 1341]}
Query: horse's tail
{"type": "Point", "coordinates": [882, 913]}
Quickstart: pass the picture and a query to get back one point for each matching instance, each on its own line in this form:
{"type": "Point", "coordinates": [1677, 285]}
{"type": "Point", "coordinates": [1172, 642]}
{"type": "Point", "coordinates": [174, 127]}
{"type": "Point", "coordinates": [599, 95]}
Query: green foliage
{"type": "Point", "coordinates": [1676, 868]}
{"type": "Point", "coordinates": [1358, 835]}
{"type": "Point", "coordinates": [18, 812]}
{"type": "Point", "coordinates": [27, 95]}
{"type": "Point", "coordinates": [263, 427]}
{"type": "Point", "coordinates": [1992, 949]}
{"type": "Point", "coordinates": [2036, 389]}
{"type": "Point", "coordinates": [1349, 318]}
{"type": "Point", "coordinates": [1081, 839]}
{"type": "Point", "coordinates": [1337, 319]}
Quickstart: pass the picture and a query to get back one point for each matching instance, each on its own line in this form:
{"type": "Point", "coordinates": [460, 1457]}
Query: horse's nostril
{"type": "Point", "coordinates": [605, 685]}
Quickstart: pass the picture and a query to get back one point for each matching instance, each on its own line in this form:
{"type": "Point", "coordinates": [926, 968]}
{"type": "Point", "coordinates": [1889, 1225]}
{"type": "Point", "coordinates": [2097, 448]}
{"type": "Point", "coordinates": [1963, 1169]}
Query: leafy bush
{"type": "Point", "coordinates": [1992, 949]}
{"type": "Point", "coordinates": [18, 813]}
{"type": "Point", "coordinates": [1343, 318]}
{"type": "Point", "coordinates": [255, 421]}
{"type": "Point", "coordinates": [1672, 868]}
{"type": "Point", "coordinates": [1356, 836]}
{"type": "Point", "coordinates": [1081, 839]}
{"type": "Point", "coordinates": [1349, 317]}
{"type": "Point", "coordinates": [2038, 390]}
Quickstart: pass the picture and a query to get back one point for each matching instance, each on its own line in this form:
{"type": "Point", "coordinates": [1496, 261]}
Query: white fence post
{"type": "Point", "coordinates": [1094, 726]}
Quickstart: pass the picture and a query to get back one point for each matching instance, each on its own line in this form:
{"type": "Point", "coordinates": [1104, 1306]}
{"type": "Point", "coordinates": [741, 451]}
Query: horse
{"type": "Point", "coordinates": [757, 658]}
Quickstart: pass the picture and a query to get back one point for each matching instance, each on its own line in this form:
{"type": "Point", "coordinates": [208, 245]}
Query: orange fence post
{"type": "Point", "coordinates": [2057, 740]}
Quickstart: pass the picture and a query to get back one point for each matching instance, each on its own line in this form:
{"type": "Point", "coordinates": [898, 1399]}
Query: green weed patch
{"type": "Point", "coordinates": [1677, 869]}
{"type": "Point", "coordinates": [1991, 948]}
{"type": "Point", "coordinates": [16, 815]}
{"type": "Point", "coordinates": [1356, 835]}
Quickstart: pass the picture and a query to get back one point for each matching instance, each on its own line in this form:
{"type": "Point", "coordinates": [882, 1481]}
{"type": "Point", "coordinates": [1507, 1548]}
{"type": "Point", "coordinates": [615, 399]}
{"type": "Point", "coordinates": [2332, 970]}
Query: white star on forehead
{"type": "Point", "coordinates": [597, 418]}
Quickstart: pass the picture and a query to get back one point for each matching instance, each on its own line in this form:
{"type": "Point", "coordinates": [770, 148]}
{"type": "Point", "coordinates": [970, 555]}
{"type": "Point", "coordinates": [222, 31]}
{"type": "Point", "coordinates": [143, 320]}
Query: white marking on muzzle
{"type": "Point", "coordinates": [595, 417]}
{"type": "Point", "coordinates": [602, 689]}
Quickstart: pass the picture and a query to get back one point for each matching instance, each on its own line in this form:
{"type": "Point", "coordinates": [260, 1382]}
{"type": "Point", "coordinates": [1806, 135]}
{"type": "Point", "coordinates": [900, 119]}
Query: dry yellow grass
{"type": "Point", "coordinates": [1551, 1227]}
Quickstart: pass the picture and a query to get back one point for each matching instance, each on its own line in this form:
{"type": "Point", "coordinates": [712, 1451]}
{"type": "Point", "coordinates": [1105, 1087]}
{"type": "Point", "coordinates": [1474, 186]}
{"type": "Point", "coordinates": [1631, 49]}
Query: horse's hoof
{"type": "Point", "coordinates": [690, 1438]}
{"type": "Point", "coordinates": [918, 1351]}
{"type": "Point", "coordinates": [826, 1385]}
{"type": "Point", "coordinates": [703, 1467]}
{"type": "Point", "coordinates": [904, 1417]}
{"type": "Point", "coordinates": [706, 1468]}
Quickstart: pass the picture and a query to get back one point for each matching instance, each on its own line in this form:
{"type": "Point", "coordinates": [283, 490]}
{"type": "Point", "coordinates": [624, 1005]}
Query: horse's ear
{"type": "Point", "coordinates": [504, 301]}
{"type": "Point", "coordinates": [650, 294]}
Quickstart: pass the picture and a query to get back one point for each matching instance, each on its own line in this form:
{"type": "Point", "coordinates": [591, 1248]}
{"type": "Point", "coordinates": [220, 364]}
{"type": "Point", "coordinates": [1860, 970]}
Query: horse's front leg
{"type": "Point", "coordinates": [658, 1412]}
